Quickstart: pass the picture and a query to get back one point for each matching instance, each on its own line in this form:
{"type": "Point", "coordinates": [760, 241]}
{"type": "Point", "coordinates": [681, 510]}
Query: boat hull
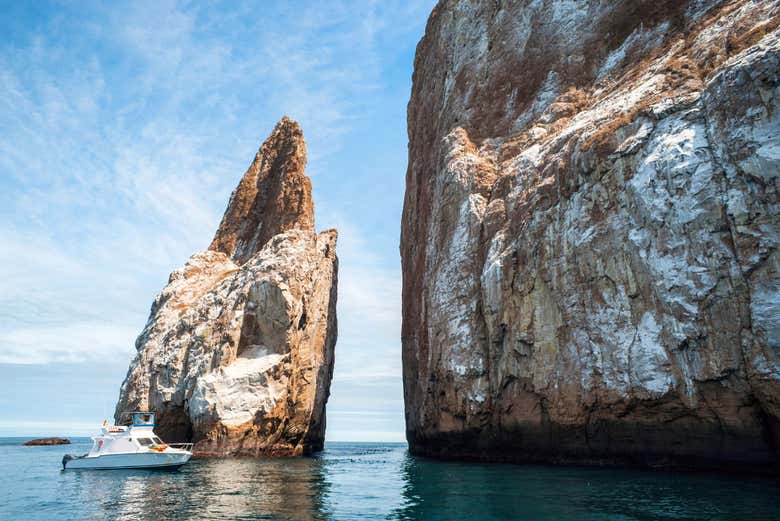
{"type": "Point", "coordinates": [147, 460]}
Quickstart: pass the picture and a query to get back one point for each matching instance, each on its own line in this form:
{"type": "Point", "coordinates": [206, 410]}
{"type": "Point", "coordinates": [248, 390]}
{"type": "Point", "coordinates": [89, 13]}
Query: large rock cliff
{"type": "Point", "coordinates": [237, 354]}
{"type": "Point", "coordinates": [590, 232]}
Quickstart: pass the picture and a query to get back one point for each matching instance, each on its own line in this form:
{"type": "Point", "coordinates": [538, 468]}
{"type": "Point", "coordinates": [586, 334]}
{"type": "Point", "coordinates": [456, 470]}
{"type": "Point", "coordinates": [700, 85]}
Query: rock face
{"type": "Point", "coordinates": [273, 196]}
{"type": "Point", "coordinates": [590, 233]}
{"type": "Point", "coordinates": [237, 354]}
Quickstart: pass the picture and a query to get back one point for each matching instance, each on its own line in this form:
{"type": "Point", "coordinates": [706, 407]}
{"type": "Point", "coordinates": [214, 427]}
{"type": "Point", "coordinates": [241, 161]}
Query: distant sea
{"type": "Point", "coordinates": [367, 481]}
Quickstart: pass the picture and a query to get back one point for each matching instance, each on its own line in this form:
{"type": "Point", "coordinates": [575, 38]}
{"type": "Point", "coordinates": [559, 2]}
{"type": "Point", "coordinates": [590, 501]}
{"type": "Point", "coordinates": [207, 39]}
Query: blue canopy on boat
{"type": "Point", "coordinates": [143, 419]}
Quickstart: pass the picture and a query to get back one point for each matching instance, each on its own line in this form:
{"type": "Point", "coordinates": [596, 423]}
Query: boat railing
{"type": "Point", "coordinates": [183, 446]}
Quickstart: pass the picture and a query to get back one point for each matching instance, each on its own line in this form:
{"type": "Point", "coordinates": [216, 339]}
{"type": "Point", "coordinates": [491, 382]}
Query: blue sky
{"type": "Point", "coordinates": [123, 130]}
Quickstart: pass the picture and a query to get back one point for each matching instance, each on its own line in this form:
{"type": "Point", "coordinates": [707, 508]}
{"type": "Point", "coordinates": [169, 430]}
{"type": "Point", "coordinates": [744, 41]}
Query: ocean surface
{"type": "Point", "coordinates": [367, 481]}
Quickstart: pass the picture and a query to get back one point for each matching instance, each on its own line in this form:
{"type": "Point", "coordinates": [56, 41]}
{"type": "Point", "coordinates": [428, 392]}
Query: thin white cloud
{"type": "Point", "coordinates": [71, 343]}
{"type": "Point", "coordinates": [369, 306]}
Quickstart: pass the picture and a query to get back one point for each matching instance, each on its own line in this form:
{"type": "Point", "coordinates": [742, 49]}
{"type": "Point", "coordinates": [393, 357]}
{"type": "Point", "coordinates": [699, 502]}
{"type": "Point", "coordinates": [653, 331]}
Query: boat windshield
{"type": "Point", "coordinates": [157, 440]}
{"type": "Point", "coordinates": [143, 419]}
{"type": "Point", "coordinates": [145, 441]}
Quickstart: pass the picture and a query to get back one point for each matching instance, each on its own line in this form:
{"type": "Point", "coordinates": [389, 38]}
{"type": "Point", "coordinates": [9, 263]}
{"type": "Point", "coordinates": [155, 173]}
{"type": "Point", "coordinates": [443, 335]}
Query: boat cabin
{"type": "Point", "coordinates": [139, 436]}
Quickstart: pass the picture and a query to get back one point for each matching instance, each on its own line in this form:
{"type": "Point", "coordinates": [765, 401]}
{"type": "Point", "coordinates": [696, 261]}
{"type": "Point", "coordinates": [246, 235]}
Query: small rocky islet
{"type": "Point", "coordinates": [43, 442]}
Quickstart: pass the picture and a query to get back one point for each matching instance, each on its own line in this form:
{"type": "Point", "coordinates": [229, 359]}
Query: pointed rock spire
{"type": "Point", "coordinates": [273, 196]}
{"type": "Point", "coordinates": [247, 354]}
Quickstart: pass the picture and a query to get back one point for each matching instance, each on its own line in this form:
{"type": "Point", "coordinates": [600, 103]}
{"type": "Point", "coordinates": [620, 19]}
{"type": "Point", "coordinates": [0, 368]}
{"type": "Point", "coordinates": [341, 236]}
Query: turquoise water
{"type": "Point", "coordinates": [367, 481]}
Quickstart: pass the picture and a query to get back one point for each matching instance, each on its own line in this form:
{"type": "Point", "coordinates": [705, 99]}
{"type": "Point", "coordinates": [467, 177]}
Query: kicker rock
{"type": "Point", "coordinates": [590, 233]}
{"type": "Point", "coordinates": [237, 354]}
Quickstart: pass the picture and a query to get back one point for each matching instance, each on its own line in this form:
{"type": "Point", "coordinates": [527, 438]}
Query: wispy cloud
{"type": "Point", "coordinates": [76, 342]}
{"type": "Point", "coordinates": [369, 307]}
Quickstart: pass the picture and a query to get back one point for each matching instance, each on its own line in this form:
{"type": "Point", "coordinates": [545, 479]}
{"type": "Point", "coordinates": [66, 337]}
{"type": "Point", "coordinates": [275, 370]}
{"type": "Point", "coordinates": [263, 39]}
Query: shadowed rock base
{"type": "Point", "coordinates": [741, 437]}
{"type": "Point", "coordinates": [222, 448]}
{"type": "Point", "coordinates": [607, 443]}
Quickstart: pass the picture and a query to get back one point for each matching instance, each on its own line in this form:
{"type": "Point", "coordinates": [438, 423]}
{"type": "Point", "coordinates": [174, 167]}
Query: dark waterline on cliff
{"type": "Point", "coordinates": [367, 481]}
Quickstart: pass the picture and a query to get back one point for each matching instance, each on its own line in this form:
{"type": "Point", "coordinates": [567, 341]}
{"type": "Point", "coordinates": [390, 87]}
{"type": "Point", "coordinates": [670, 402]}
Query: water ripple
{"type": "Point", "coordinates": [368, 481]}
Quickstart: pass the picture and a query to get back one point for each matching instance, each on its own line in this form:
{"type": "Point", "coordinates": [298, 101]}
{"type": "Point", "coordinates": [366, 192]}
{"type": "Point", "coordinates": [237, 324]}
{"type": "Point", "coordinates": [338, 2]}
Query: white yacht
{"type": "Point", "coordinates": [133, 447]}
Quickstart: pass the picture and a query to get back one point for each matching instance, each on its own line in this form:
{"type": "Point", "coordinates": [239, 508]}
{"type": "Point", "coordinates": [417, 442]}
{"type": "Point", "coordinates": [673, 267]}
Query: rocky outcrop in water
{"type": "Point", "coordinates": [237, 354]}
{"type": "Point", "coordinates": [44, 442]}
{"type": "Point", "coordinates": [590, 233]}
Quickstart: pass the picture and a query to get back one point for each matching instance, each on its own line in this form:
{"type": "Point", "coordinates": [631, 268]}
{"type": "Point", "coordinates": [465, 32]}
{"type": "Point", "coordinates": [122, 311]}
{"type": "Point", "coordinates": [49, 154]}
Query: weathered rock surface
{"type": "Point", "coordinates": [42, 442]}
{"type": "Point", "coordinates": [237, 354]}
{"type": "Point", "coordinates": [590, 232]}
{"type": "Point", "coordinates": [273, 196]}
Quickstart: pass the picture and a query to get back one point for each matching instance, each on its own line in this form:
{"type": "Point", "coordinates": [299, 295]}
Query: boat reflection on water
{"type": "Point", "coordinates": [231, 488]}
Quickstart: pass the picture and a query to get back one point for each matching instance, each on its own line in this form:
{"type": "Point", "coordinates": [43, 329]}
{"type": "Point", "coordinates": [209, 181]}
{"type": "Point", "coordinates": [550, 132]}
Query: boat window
{"type": "Point", "coordinates": [157, 440]}
{"type": "Point", "coordinates": [143, 419]}
{"type": "Point", "coordinates": [145, 441]}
